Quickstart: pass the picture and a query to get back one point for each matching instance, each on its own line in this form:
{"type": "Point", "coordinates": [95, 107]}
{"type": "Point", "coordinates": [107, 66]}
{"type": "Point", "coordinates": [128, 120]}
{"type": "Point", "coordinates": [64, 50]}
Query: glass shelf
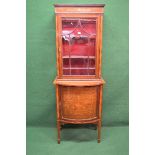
{"type": "Point", "coordinates": [78, 57]}
{"type": "Point", "coordinates": [79, 68]}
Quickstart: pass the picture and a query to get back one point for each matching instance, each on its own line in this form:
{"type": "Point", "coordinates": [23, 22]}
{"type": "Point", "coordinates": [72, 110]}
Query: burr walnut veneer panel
{"type": "Point", "coordinates": [79, 103]}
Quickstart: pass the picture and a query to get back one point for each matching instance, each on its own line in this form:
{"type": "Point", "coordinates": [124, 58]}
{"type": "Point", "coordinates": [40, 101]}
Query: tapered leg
{"type": "Point", "coordinates": [58, 116]}
{"type": "Point", "coordinates": [100, 113]}
{"type": "Point", "coordinates": [99, 132]}
{"type": "Point", "coordinates": [58, 128]}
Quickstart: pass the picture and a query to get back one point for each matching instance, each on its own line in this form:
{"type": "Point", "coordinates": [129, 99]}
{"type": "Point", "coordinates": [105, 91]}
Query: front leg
{"type": "Point", "coordinates": [58, 129]}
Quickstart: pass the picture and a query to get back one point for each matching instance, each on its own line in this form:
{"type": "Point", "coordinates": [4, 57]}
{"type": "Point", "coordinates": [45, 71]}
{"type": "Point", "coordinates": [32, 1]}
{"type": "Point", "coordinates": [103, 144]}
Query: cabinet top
{"type": "Point", "coordinates": [79, 5]}
{"type": "Point", "coordinates": [79, 82]}
{"type": "Point", "coordinates": [79, 8]}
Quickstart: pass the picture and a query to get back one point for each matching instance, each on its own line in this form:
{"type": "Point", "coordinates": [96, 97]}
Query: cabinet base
{"type": "Point", "coordinates": [59, 127]}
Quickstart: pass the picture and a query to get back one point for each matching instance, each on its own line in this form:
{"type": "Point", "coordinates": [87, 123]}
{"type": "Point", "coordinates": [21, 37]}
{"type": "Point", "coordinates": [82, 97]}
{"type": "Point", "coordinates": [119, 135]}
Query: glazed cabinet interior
{"type": "Point", "coordinates": [79, 53]}
{"type": "Point", "coordinates": [78, 46]}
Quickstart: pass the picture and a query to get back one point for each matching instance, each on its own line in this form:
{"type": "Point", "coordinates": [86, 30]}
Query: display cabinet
{"type": "Point", "coordinates": [79, 55]}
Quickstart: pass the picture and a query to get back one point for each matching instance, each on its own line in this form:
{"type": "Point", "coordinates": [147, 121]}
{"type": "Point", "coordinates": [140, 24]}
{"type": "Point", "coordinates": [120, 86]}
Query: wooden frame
{"type": "Point", "coordinates": [72, 89]}
{"type": "Point", "coordinates": [98, 46]}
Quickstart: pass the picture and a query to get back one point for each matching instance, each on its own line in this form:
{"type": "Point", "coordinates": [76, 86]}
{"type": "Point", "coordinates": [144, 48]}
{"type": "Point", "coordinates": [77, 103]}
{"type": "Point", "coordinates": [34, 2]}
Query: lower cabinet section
{"type": "Point", "coordinates": [79, 102]}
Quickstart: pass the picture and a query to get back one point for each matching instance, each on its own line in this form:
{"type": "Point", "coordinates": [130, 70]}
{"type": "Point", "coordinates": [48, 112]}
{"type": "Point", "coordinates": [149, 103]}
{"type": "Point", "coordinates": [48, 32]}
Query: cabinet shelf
{"type": "Point", "coordinates": [78, 68]}
{"type": "Point", "coordinates": [78, 57]}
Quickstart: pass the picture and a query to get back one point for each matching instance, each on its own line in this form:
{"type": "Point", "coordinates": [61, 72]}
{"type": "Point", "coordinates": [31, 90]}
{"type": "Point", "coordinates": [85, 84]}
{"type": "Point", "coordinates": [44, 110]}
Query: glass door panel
{"type": "Point", "coordinates": [78, 46]}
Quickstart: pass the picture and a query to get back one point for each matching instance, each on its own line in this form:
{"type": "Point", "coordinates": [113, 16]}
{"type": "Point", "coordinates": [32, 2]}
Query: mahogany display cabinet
{"type": "Point", "coordinates": [79, 84]}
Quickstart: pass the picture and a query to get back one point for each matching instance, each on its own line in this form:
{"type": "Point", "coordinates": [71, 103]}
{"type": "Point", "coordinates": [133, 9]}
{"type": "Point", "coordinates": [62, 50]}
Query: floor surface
{"type": "Point", "coordinates": [77, 141]}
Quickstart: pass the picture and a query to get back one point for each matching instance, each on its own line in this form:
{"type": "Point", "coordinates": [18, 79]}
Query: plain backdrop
{"type": "Point", "coordinates": [41, 62]}
{"type": "Point", "coordinates": [13, 70]}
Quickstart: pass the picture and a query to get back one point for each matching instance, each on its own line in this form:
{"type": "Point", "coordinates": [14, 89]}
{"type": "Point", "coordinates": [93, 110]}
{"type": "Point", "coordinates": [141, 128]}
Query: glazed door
{"type": "Point", "coordinates": [78, 47]}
